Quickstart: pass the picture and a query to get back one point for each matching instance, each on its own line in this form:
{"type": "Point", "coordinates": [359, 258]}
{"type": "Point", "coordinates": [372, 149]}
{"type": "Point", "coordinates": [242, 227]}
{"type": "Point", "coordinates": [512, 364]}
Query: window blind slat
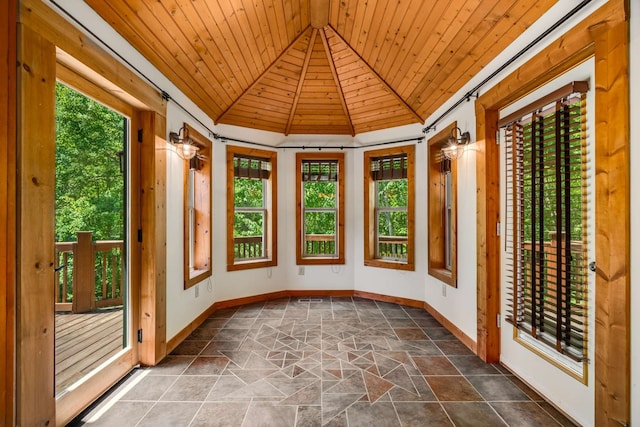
{"type": "Point", "coordinates": [320, 170]}
{"type": "Point", "coordinates": [389, 167]}
{"type": "Point", "coordinates": [546, 208]}
{"type": "Point", "coordinates": [251, 167]}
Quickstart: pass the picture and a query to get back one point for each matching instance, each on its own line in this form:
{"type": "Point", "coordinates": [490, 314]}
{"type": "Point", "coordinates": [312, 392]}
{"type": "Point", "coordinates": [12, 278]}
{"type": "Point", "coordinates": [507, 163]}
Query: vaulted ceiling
{"type": "Point", "coordinates": [320, 66]}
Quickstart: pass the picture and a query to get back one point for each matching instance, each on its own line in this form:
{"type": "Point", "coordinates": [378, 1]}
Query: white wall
{"type": "Point", "coordinates": [459, 305]}
{"type": "Point", "coordinates": [634, 264]}
{"type": "Point", "coordinates": [405, 284]}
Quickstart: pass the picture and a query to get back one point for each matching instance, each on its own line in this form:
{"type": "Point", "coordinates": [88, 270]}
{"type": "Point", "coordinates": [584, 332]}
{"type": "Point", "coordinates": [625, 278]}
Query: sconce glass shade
{"type": "Point", "coordinates": [455, 147]}
{"type": "Point", "coordinates": [453, 151]}
{"type": "Point", "coordinates": [187, 151]}
{"type": "Point", "coordinates": [183, 145]}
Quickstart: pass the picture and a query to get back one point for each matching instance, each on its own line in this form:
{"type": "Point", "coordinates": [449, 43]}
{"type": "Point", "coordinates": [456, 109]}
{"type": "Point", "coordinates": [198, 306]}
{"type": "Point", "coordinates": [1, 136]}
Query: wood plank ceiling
{"type": "Point", "coordinates": [320, 66]}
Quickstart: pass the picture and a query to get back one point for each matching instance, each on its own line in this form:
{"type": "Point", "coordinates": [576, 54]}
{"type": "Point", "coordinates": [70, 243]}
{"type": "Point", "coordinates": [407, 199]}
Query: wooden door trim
{"type": "Point", "coordinates": [35, 403]}
{"type": "Point", "coordinates": [603, 35]}
{"type": "Point", "coordinates": [8, 99]}
{"type": "Point", "coordinates": [43, 36]}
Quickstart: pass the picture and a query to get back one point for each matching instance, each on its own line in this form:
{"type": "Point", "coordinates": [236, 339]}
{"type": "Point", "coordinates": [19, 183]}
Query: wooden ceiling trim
{"type": "Point", "coordinates": [457, 47]}
{"type": "Point", "coordinates": [481, 55]}
{"type": "Point", "coordinates": [299, 39]}
{"type": "Point", "coordinates": [327, 49]}
{"type": "Point", "coordinates": [426, 59]}
{"type": "Point", "coordinates": [305, 66]}
{"type": "Point", "coordinates": [156, 15]}
{"type": "Point", "coordinates": [188, 20]}
{"type": "Point", "coordinates": [339, 39]}
{"type": "Point", "coordinates": [129, 26]}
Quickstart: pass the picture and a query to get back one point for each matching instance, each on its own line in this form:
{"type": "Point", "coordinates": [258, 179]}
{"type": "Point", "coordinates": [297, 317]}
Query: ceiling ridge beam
{"type": "Point", "coordinates": [380, 79]}
{"type": "Point", "coordinates": [305, 67]}
{"type": "Point", "coordinates": [264, 73]}
{"type": "Point", "coordinates": [332, 65]}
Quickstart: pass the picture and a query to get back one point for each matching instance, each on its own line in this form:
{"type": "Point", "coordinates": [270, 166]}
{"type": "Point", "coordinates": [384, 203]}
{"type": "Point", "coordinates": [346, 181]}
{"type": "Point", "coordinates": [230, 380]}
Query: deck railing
{"type": "Point", "coordinates": [88, 274]}
{"type": "Point", "coordinates": [247, 247]}
{"type": "Point", "coordinates": [392, 247]}
{"type": "Point", "coordinates": [320, 244]}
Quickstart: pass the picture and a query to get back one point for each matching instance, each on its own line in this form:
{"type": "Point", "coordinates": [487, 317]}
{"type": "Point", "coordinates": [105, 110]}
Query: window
{"type": "Point", "coordinates": [389, 212]}
{"type": "Point", "coordinates": [197, 211]}
{"type": "Point", "coordinates": [320, 208]}
{"type": "Point", "coordinates": [251, 207]}
{"type": "Point", "coordinates": [546, 165]}
{"type": "Point", "coordinates": [442, 210]}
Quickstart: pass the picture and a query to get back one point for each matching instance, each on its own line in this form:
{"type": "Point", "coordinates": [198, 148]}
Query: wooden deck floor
{"type": "Point", "coordinates": [84, 341]}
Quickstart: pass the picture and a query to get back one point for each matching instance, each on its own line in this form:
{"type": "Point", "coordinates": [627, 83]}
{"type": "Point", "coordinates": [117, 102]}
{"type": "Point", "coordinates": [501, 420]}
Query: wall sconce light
{"type": "Point", "coordinates": [184, 145]}
{"type": "Point", "coordinates": [455, 146]}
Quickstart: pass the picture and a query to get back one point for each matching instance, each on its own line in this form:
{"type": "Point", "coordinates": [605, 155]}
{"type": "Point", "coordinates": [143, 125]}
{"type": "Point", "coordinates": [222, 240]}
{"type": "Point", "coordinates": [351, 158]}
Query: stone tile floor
{"type": "Point", "coordinates": [322, 361]}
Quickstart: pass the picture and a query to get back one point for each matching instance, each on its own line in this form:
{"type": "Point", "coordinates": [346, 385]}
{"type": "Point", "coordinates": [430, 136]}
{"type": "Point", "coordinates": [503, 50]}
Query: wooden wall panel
{"type": "Point", "coordinates": [53, 27]}
{"type": "Point", "coordinates": [35, 226]}
{"type": "Point", "coordinates": [153, 281]}
{"type": "Point", "coordinates": [8, 59]}
{"type": "Point", "coordinates": [613, 297]}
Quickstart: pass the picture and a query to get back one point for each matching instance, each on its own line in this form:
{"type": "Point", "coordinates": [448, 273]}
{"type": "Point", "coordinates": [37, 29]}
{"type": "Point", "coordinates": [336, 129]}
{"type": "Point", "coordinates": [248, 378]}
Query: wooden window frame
{"type": "Point", "coordinates": [320, 260]}
{"type": "Point", "coordinates": [271, 226]}
{"type": "Point", "coordinates": [437, 234]}
{"type": "Point", "coordinates": [202, 210]}
{"type": "Point", "coordinates": [543, 265]}
{"type": "Point", "coordinates": [370, 259]}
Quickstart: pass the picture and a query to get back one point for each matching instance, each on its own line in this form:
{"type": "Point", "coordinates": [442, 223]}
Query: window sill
{"type": "Point", "coordinates": [320, 261]}
{"type": "Point", "coordinates": [196, 276]}
{"type": "Point", "coordinates": [444, 275]}
{"type": "Point", "coordinates": [577, 370]}
{"type": "Point", "coordinates": [248, 265]}
{"type": "Point", "coordinates": [393, 265]}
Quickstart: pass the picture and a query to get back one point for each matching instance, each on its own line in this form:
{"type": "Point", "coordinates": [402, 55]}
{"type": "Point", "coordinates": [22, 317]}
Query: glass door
{"type": "Point", "coordinates": [92, 249]}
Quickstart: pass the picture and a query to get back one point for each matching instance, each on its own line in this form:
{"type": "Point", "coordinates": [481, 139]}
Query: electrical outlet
{"type": "Point", "coordinates": [444, 290]}
{"type": "Point", "coordinates": [301, 270]}
{"type": "Point", "coordinates": [197, 291]}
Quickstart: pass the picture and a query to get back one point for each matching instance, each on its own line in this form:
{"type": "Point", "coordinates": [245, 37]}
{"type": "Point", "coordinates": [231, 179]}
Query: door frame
{"type": "Point", "coordinates": [95, 383]}
{"type": "Point", "coordinates": [603, 35]}
{"type": "Point", "coordinates": [44, 39]}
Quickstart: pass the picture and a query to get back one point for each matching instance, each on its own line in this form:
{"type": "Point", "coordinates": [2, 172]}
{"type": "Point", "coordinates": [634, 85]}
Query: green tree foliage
{"type": "Point", "coordinates": [249, 202]}
{"type": "Point", "coordinates": [89, 182]}
{"type": "Point", "coordinates": [320, 195]}
{"type": "Point", "coordinates": [392, 194]}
